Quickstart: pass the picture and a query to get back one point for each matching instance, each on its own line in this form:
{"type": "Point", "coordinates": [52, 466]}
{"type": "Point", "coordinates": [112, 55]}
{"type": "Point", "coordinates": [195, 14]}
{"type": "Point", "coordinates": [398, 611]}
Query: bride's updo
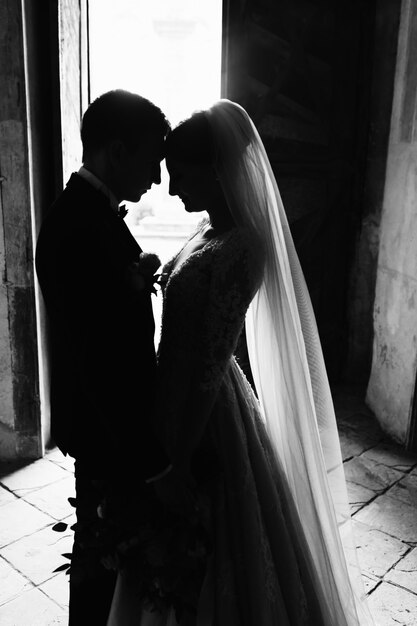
{"type": "Point", "coordinates": [191, 141]}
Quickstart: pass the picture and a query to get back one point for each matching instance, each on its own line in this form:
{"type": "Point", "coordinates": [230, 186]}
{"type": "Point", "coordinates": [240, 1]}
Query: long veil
{"type": "Point", "coordinates": [288, 367]}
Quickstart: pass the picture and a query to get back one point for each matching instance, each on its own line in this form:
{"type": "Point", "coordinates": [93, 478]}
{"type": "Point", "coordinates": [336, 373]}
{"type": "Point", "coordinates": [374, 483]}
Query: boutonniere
{"type": "Point", "coordinates": [141, 275]}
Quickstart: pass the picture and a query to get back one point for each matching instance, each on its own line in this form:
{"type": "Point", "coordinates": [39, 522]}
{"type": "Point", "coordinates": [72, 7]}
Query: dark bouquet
{"type": "Point", "coordinates": [164, 553]}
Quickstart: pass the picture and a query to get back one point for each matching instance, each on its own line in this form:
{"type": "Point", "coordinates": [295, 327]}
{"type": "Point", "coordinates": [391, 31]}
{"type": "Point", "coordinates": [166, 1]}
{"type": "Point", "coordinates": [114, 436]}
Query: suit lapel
{"type": "Point", "coordinates": [95, 206]}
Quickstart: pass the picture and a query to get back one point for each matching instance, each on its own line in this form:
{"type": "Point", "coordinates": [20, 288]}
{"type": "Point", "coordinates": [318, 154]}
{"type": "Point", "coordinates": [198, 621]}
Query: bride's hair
{"type": "Point", "coordinates": [192, 141]}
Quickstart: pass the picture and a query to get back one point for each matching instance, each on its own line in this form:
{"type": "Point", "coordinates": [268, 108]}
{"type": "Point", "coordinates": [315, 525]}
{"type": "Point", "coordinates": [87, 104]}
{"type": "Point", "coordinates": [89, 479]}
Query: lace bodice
{"type": "Point", "coordinates": [205, 301]}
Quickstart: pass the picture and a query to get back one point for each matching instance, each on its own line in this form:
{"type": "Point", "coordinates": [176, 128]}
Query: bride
{"type": "Point", "coordinates": [269, 464]}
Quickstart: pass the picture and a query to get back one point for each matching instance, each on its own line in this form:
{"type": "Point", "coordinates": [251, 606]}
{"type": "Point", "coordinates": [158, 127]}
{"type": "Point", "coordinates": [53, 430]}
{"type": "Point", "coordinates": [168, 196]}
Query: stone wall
{"type": "Point", "coordinates": [381, 76]}
{"type": "Point", "coordinates": [6, 387]}
{"type": "Point", "coordinates": [41, 43]}
{"type": "Point", "coordinates": [391, 386]}
{"type": "Point", "coordinates": [19, 395]}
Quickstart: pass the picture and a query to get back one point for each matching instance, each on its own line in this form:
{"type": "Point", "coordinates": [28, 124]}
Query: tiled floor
{"type": "Point", "coordinates": [32, 499]}
{"type": "Point", "coordinates": [382, 482]}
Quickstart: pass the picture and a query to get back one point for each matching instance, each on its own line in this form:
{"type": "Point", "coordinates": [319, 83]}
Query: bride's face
{"type": "Point", "coordinates": [195, 184]}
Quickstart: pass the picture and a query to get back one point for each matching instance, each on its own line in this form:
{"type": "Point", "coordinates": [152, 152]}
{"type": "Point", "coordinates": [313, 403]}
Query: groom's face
{"type": "Point", "coordinates": [137, 169]}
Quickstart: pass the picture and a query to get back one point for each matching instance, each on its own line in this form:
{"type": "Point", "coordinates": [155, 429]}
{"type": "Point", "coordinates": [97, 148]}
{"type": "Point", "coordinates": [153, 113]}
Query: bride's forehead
{"type": "Point", "coordinates": [176, 165]}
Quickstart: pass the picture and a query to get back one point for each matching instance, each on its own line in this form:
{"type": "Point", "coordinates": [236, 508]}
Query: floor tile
{"type": "Point", "coordinates": [392, 455]}
{"type": "Point", "coordinates": [18, 519]}
{"type": "Point", "coordinates": [369, 474]}
{"type": "Point", "coordinates": [9, 467]}
{"type": "Point", "coordinates": [385, 514]}
{"type": "Point", "coordinates": [12, 583]}
{"type": "Point", "coordinates": [370, 582]}
{"type": "Point", "coordinates": [33, 476]}
{"type": "Point", "coordinates": [406, 490]}
{"type": "Point", "coordinates": [358, 496]}
{"type": "Point", "coordinates": [351, 444]}
{"type": "Point", "coordinates": [56, 456]}
{"type": "Point", "coordinates": [71, 519]}
{"type": "Point", "coordinates": [37, 555]}
{"type": "Point", "coordinates": [361, 422]}
{"type": "Point", "coordinates": [393, 606]}
{"type": "Point", "coordinates": [377, 551]}
{"type": "Point", "coordinates": [6, 496]}
{"type": "Point", "coordinates": [53, 499]}
{"type": "Point", "coordinates": [33, 608]}
{"type": "Point", "coordinates": [57, 588]}
{"type": "Point", "coordinates": [405, 572]}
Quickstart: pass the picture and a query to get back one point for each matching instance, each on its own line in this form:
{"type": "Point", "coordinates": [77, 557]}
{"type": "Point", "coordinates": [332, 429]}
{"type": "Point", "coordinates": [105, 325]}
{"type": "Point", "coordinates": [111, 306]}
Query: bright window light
{"type": "Point", "coordinates": [170, 52]}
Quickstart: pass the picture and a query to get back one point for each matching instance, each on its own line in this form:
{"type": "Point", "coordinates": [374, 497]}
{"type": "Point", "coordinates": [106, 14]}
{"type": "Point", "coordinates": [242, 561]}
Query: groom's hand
{"type": "Point", "coordinates": [176, 492]}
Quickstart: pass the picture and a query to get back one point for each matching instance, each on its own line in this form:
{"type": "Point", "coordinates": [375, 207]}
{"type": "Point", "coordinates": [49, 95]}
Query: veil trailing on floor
{"type": "Point", "coordinates": [288, 367]}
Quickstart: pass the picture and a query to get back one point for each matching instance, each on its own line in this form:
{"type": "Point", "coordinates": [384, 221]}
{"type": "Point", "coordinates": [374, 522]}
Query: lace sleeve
{"type": "Point", "coordinates": [236, 268]}
{"type": "Point", "coordinates": [235, 279]}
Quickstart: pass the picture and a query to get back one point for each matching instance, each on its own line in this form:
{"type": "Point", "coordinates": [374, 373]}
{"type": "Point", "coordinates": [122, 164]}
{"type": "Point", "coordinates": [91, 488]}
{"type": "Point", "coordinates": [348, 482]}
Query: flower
{"type": "Point", "coordinates": [149, 263]}
{"type": "Point", "coordinates": [141, 275]}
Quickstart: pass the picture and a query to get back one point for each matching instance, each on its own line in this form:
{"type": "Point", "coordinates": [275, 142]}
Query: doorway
{"type": "Point", "coordinates": [170, 52]}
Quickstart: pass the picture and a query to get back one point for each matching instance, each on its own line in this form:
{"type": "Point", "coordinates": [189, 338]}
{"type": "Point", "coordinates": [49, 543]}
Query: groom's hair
{"type": "Point", "coordinates": [120, 115]}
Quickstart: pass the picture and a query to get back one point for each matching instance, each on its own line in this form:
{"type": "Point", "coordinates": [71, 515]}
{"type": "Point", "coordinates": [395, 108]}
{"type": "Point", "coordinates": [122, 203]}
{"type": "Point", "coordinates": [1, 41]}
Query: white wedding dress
{"type": "Point", "coordinates": [261, 572]}
{"type": "Point", "coordinates": [271, 470]}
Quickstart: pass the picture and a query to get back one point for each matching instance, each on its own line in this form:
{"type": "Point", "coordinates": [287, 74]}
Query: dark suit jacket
{"type": "Point", "coordinates": [103, 366]}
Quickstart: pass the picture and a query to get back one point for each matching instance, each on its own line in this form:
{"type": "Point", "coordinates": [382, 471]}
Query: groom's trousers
{"type": "Point", "coordinates": [91, 584]}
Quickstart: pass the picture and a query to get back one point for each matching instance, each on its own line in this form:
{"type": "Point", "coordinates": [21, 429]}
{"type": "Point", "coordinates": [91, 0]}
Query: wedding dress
{"type": "Point", "coordinates": [270, 466]}
{"type": "Point", "coordinates": [261, 573]}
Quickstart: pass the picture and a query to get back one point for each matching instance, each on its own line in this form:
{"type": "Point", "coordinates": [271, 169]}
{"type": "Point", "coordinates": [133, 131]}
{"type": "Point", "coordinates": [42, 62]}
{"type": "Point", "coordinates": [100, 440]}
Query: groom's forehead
{"type": "Point", "coordinates": [153, 145]}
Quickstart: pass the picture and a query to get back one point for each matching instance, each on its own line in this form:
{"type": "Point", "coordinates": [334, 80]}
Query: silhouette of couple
{"type": "Point", "coordinates": [182, 433]}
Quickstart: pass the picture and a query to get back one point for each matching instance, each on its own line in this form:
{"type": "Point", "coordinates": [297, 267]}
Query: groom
{"type": "Point", "coordinates": [103, 366]}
